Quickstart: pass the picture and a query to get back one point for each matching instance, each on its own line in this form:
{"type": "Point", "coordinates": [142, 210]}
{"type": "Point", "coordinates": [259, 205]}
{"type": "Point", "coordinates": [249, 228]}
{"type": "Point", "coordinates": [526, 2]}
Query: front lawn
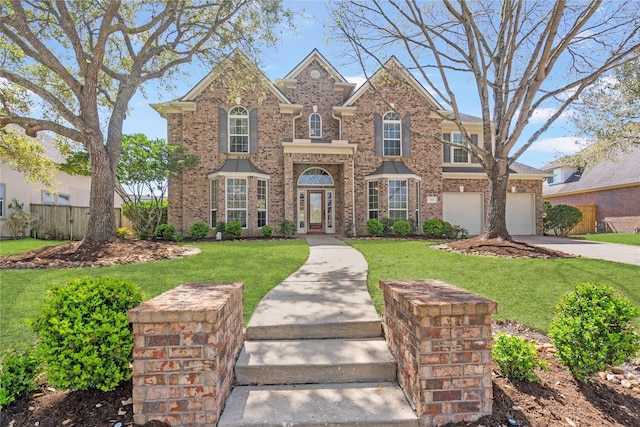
{"type": "Point", "coordinates": [624, 238]}
{"type": "Point", "coordinates": [259, 265]}
{"type": "Point", "coordinates": [10, 247]}
{"type": "Point", "coordinates": [526, 289]}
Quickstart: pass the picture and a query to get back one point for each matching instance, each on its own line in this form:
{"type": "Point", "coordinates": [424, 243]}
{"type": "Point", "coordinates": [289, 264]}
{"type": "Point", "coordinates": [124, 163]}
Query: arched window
{"type": "Point", "coordinates": [315, 126]}
{"type": "Point", "coordinates": [392, 137]}
{"type": "Point", "coordinates": [238, 130]}
{"type": "Point", "coordinates": [315, 176]}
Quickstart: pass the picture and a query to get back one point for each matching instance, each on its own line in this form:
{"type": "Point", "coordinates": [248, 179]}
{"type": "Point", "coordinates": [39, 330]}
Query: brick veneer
{"type": "Point", "coordinates": [186, 344]}
{"type": "Point", "coordinates": [441, 338]}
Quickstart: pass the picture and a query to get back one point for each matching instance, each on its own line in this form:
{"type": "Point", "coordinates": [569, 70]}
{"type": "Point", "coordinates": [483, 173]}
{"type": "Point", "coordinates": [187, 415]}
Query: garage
{"type": "Point", "coordinates": [521, 214]}
{"type": "Point", "coordinates": [464, 209]}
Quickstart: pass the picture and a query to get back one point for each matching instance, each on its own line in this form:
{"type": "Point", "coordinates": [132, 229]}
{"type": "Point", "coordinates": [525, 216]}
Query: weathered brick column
{"type": "Point", "coordinates": [441, 338]}
{"type": "Point", "coordinates": [186, 344]}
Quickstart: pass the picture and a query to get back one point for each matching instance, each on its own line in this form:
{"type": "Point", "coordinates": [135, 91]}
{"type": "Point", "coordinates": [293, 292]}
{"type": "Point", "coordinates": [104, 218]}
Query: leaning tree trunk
{"type": "Point", "coordinates": [102, 225]}
{"type": "Point", "coordinates": [496, 221]}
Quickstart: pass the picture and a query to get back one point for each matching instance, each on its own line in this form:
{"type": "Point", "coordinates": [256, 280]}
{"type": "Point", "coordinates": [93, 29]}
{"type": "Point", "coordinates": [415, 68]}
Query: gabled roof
{"type": "Point", "coordinates": [396, 65]}
{"type": "Point", "coordinates": [315, 54]}
{"type": "Point", "coordinates": [392, 169]}
{"type": "Point", "coordinates": [624, 171]}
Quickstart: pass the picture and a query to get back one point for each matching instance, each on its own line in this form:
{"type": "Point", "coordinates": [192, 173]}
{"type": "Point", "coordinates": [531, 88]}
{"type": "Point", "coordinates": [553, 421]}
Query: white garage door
{"type": "Point", "coordinates": [463, 209]}
{"type": "Point", "coordinates": [520, 214]}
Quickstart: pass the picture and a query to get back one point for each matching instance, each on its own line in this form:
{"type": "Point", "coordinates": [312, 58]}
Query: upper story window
{"type": "Point", "coordinates": [238, 130]}
{"type": "Point", "coordinates": [458, 154]}
{"type": "Point", "coordinates": [392, 137]}
{"type": "Point", "coordinates": [315, 126]}
{"type": "Point", "coordinates": [556, 178]}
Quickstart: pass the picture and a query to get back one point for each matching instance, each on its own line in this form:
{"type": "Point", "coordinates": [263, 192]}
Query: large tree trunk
{"type": "Point", "coordinates": [497, 211]}
{"type": "Point", "coordinates": [102, 225]}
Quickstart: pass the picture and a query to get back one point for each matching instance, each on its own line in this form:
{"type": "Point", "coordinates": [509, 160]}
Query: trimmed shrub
{"type": "Point", "coordinates": [166, 232]}
{"type": "Point", "coordinates": [375, 227]}
{"type": "Point", "coordinates": [402, 227]}
{"type": "Point", "coordinates": [19, 373]}
{"type": "Point", "coordinates": [85, 336]}
{"type": "Point", "coordinates": [123, 232]}
{"type": "Point", "coordinates": [267, 231]}
{"type": "Point", "coordinates": [387, 226]}
{"type": "Point", "coordinates": [449, 231]}
{"type": "Point", "coordinates": [432, 228]}
{"type": "Point", "coordinates": [517, 358]}
{"type": "Point", "coordinates": [561, 219]}
{"type": "Point", "coordinates": [592, 330]}
{"type": "Point", "coordinates": [233, 230]}
{"type": "Point", "coordinates": [288, 228]}
{"type": "Point", "coordinates": [146, 216]}
{"type": "Point", "coordinates": [220, 228]}
{"type": "Point", "coordinates": [199, 230]}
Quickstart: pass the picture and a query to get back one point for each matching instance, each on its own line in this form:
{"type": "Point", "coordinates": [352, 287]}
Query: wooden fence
{"type": "Point", "coordinates": [588, 223]}
{"type": "Point", "coordinates": [63, 222]}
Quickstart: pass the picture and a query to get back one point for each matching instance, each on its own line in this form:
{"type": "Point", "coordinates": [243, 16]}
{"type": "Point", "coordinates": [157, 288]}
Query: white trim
{"type": "Point", "coordinates": [320, 117]}
{"type": "Point", "coordinates": [266, 201]}
{"type": "Point", "coordinates": [215, 175]}
{"type": "Point", "coordinates": [246, 201]}
{"type": "Point", "coordinates": [229, 135]}
{"type": "Point", "coordinates": [318, 148]}
{"type": "Point", "coordinates": [333, 181]}
{"type": "Point", "coordinates": [172, 107]}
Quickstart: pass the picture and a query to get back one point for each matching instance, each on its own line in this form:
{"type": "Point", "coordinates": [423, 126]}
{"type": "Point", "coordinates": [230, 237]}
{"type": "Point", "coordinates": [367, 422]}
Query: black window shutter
{"type": "Point", "coordinates": [377, 134]}
{"type": "Point", "coordinates": [406, 136]}
{"type": "Point", "coordinates": [253, 131]}
{"type": "Point", "coordinates": [446, 149]}
{"type": "Point", "coordinates": [474, 140]}
{"type": "Point", "coordinates": [223, 127]}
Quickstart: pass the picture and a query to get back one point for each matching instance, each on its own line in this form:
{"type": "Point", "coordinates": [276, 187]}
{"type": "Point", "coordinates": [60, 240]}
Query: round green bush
{"type": "Point", "coordinates": [561, 219]}
{"type": "Point", "coordinates": [402, 227]}
{"type": "Point", "coordinates": [199, 230]}
{"type": "Point", "coordinates": [432, 228]}
{"type": "Point", "coordinates": [166, 232]}
{"type": "Point", "coordinates": [85, 336]}
{"type": "Point", "coordinates": [233, 230]}
{"type": "Point", "coordinates": [267, 231]}
{"type": "Point", "coordinates": [517, 358]}
{"type": "Point", "coordinates": [592, 330]}
{"type": "Point", "coordinates": [19, 373]}
{"type": "Point", "coordinates": [375, 227]}
{"type": "Point", "coordinates": [449, 231]}
{"type": "Point", "coordinates": [288, 228]}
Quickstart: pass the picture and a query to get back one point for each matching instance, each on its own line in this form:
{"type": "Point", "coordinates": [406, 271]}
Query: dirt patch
{"type": "Point", "coordinates": [94, 254]}
{"type": "Point", "coordinates": [501, 248]}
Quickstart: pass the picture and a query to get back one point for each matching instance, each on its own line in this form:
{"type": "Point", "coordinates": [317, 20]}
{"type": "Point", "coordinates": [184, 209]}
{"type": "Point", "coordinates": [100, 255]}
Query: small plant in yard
{"type": "Point", "coordinates": [375, 227]}
{"type": "Point", "coordinates": [592, 330]}
{"type": "Point", "coordinates": [348, 229]}
{"type": "Point", "coordinates": [449, 231]}
{"type": "Point", "coordinates": [123, 233]}
{"type": "Point", "coordinates": [85, 336]}
{"type": "Point", "coordinates": [402, 227]}
{"type": "Point", "coordinates": [432, 228]}
{"type": "Point", "coordinates": [288, 228]}
{"type": "Point", "coordinates": [220, 226]}
{"type": "Point", "coordinates": [19, 223]}
{"type": "Point", "coordinates": [198, 230]}
{"type": "Point", "coordinates": [166, 232]}
{"type": "Point", "coordinates": [561, 219]}
{"type": "Point", "coordinates": [387, 226]}
{"type": "Point", "coordinates": [19, 374]}
{"type": "Point", "coordinates": [267, 231]}
{"type": "Point", "coordinates": [517, 358]}
{"type": "Point", "coordinates": [233, 230]}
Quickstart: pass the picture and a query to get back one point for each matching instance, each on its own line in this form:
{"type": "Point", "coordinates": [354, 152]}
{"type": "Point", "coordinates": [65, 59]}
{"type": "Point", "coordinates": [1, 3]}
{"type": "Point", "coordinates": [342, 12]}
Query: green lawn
{"type": "Point", "coordinates": [10, 247]}
{"type": "Point", "coordinates": [259, 265]}
{"type": "Point", "coordinates": [624, 238]}
{"type": "Point", "coordinates": [526, 289]}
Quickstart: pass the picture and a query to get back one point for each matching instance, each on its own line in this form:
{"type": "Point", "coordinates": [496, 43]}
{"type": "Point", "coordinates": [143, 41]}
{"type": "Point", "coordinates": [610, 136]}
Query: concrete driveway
{"type": "Point", "coordinates": [608, 251]}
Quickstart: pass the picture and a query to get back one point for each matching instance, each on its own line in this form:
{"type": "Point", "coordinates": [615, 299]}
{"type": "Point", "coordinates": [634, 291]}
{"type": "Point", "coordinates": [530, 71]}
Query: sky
{"type": "Point", "coordinates": [311, 33]}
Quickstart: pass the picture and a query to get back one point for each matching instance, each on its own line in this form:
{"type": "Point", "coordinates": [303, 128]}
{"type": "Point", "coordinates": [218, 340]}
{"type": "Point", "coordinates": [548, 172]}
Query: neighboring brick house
{"type": "Point", "coordinates": [611, 186]}
{"type": "Point", "coordinates": [313, 149]}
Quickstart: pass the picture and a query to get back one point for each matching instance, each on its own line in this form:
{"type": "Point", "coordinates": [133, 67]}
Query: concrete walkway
{"type": "Point", "coordinates": [626, 254]}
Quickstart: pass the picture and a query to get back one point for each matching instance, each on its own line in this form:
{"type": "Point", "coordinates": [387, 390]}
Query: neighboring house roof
{"type": "Point", "coordinates": [238, 167]}
{"type": "Point", "coordinates": [48, 144]}
{"type": "Point", "coordinates": [624, 171]}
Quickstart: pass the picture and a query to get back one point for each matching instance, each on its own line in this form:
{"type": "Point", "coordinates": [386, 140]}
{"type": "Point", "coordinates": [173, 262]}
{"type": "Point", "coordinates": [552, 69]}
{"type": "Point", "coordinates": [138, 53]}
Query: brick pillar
{"type": "Point", "coordinates": [441, 338]}
{"type": "Point", "coordinates": [186, 344]}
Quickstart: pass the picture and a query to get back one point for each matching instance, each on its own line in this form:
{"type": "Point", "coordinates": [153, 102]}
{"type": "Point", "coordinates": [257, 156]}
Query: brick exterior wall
{"type": "Point", "coordinates": [618, 206]}
{"type": "Point", "coordinates": [441, 338]}
{"type": "Point", "coordinates": [186, 344]}
{"type": "Point", "coordinates": [197, 131]}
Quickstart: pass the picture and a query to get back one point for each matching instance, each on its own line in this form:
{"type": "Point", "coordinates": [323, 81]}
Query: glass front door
{"type": "Point", "coordinates": [316, 211]}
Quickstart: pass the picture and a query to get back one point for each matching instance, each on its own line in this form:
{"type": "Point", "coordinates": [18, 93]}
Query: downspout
{"type": "Point", "coordinates": [339, 119]}
{"type": "Point", "coordinates": [293, 123]}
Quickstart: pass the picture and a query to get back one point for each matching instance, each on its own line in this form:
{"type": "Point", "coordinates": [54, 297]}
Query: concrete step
{"type": "Point", "coordinates": [317, 330]}
{"type": "Point", "coordinates": [315, 361]}
{"type": "Point", "coordinates": [315, 405]}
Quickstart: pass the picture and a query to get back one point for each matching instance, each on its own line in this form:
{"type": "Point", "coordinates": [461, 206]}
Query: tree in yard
{"type": "Point", "coordinates": [27, 156]}
{"type": "Point", "coordinates": [78, 64]}
{"type": "Point", "coordinates": [523, 57]}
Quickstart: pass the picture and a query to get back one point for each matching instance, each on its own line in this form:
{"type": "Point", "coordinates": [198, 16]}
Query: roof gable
{"type": "Point", "coordinates": [315, 54]}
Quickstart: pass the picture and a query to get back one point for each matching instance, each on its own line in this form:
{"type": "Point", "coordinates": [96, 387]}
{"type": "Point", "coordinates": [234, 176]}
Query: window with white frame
{"type": "Point", "coordinates": [2, 203]}
{"type": "Point", "coordinates": [214, 202]}
{"type": "Point", "coordinates": [64, 200]}
{"type": "Point", "coordinates": [262, 203]}
{"type": "Point", "coordinates": [315, 126]}
{"type": "Point", "coordinates": [373, 201]}
{"type": "Point", "coordinates": [459, 155]}
{"type": "Point", "coordinates": [236, 195]}
{"type": "Point", "coordinates": [556, 178]}
{"type": "Point", "coordinates": [238, 130]}
{"type": "Point", "coordinates": [392, 140]}
{"type": "Point", "coordinates": [397, 199]}
{"type": "Point", "coordinates": [48, 198]}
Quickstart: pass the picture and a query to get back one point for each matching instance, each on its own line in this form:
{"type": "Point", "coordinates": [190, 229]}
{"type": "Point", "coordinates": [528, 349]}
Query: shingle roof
{"type": "Point", "coordinates": [606, 173]}
{"type": "Point", "coordinates": [516, 168]}
{"type": "Point", "coordinates": [239, 165]}
{"type": "Point", "coordinates": [392, 168]}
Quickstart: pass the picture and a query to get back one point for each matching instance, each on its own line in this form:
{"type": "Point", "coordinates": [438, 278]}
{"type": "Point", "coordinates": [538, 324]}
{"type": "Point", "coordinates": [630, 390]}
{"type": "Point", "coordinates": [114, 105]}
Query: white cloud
{"type": "Point", "coordinates": [559, 145]}
{"type": "Point", "coordinates": [358, 80]}
{"type": "Point", "coordinates": [540, 115]}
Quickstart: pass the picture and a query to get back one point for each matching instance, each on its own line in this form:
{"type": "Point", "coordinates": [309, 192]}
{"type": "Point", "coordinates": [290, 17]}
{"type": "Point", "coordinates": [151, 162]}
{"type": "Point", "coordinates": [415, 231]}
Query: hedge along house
{"type": "Point", "coordinates": [312, 149]}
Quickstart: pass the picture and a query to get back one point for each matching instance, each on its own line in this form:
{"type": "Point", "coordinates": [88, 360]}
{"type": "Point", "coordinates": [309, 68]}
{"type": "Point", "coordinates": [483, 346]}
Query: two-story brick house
{"type": "Point", "coordinates": [313, 149]}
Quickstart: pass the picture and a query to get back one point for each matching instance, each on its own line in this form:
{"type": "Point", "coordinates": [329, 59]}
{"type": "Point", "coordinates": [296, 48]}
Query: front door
{"type": "Point", "coordinates": [315, 211]}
